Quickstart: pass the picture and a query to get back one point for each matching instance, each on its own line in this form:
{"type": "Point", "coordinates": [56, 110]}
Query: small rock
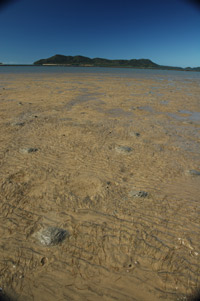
{"type": "Point", "coordinates": [193, 172]}
{"type": "Point", "coordinates": [133, 134]}
{"type": "Point", "coordinates": [138, 193]}
{"type": "Point", "coordinates": [123, 149]}
{"type": "Point", "coordinates": [43, 261]}
{"type": "Point", "coordinates": [19, 123]}
{"type": "Point", "coordinates": [51, 236]}
{"type": "Point", "coordinates": [29, 150]}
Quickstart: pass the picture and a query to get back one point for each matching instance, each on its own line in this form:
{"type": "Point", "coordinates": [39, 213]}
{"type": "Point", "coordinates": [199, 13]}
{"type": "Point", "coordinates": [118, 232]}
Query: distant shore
{"type": "Point", "coordinates": [93, 66]}
{"type": "Point", "coordinates": [83, 61]}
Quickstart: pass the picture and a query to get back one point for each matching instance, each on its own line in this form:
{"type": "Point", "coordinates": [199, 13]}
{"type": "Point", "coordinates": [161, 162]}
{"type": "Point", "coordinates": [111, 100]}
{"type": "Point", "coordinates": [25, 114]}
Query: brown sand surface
{"type": "Point", "coordinates": [79, 177]}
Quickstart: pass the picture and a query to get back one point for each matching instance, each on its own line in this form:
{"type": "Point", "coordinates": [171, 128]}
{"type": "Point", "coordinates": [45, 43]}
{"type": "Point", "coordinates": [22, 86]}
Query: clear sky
{"type": "Point", "coordinates": [165, 31]}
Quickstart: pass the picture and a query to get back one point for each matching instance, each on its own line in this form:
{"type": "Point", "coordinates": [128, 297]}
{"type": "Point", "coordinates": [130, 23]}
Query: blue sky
{"type": "Point", "coordinates": [165, 31]}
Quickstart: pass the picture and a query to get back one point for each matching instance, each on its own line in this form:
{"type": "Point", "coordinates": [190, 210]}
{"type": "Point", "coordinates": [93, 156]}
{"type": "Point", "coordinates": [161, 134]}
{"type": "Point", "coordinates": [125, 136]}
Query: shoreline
{"type": "Point", "coordinates": [88, 66]}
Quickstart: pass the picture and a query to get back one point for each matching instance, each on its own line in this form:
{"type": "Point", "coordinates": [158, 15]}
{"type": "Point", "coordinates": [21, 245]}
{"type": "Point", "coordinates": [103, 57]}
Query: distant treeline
{"type": "Point", "coordinates": [79, 60]}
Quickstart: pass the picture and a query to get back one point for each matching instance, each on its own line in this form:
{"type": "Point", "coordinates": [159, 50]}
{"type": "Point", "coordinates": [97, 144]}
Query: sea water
{"type": "Point", "coordinates": [121, 72]}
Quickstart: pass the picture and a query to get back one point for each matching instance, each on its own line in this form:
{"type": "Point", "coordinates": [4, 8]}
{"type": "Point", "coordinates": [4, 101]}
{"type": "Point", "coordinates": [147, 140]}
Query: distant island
{"type": "Point", "coordinates": [83, 61]}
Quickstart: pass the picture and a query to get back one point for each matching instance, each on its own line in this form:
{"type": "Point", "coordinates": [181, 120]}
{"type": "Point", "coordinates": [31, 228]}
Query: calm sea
{"type": "Point", "coordinates": [119, 72]}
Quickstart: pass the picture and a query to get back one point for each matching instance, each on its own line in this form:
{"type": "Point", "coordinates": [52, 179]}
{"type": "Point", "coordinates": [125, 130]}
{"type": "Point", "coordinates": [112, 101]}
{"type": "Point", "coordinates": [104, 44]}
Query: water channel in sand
{"type": "Point", "coordinates": [110, 159]}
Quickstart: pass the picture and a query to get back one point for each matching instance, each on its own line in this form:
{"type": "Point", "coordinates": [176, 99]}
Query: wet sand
{"type": "Point", "coordinates": [107, 159]}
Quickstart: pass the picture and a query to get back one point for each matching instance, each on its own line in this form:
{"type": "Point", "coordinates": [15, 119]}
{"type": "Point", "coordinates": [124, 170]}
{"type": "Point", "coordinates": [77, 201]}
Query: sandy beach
{"type": "Point", "coordinates": [112, 161]}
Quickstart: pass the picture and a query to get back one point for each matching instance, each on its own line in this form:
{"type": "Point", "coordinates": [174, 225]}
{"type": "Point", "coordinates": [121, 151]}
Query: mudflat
{"type": "Point", "coordinates": [109, 166]}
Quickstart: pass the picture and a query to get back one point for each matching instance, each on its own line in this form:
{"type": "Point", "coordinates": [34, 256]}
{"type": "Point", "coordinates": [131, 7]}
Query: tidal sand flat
{"type": "Point", "coordinates": [99, 186]}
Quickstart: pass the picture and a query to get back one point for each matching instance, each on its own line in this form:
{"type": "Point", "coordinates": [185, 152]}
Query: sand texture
{"type": "Point", "coordinates": [109, 166]}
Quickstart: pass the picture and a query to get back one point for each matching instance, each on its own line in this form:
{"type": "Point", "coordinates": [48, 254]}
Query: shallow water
{"type": "Point", "coordinates": [190, 116]}
{"type": "Point", "coordinates": [194, 116]}
{"type": "Point", "coordinates": [121, 72]}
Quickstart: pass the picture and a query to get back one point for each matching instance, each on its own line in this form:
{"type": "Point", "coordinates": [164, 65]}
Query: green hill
{"type": "Point", "coordinates": [79, 60]}
{"type": "Point", "coordinates": [98, 62]}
